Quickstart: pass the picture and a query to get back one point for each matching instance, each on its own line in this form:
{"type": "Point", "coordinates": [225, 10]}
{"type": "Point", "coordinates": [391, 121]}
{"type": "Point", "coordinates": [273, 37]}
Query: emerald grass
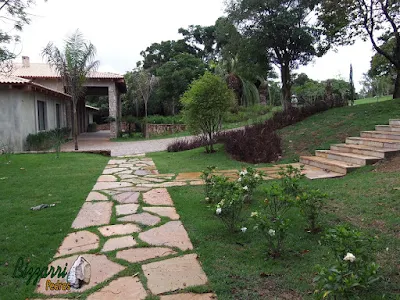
{"type": "Point", "coordinates": [238, 266]}
{"type": "Point", "coordinates": [196, 160]}
{"type": "Point", "coordinates": [30, 180]}
{"type": "Point", "coordinates": [373, 100]}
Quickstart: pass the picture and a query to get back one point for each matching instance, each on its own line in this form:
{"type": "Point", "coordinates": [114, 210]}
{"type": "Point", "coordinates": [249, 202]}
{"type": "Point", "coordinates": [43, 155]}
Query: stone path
{"type": "Point", "coordinates": [130, 233]}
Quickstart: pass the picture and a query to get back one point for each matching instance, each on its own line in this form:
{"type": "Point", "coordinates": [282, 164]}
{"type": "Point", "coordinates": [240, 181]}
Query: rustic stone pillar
{"type": "Point", "coordinates": [113, 109]}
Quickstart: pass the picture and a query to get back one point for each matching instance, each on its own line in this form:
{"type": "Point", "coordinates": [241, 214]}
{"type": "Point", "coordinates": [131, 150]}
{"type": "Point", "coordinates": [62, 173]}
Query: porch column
{"type": "Point", "coordinates": [113, 108]}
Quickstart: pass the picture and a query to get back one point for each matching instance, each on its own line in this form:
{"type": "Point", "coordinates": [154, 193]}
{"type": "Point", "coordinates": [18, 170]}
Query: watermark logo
{"type": "Point", "coordinates": [59, 278]}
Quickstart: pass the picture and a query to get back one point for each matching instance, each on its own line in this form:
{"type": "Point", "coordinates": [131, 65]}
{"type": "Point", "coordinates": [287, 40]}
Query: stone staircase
{"type": "Point", "coordinates": [369, 148]}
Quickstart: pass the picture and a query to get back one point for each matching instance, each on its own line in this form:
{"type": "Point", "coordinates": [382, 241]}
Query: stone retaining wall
{"type": "Point", "coordinates": [161, 129]}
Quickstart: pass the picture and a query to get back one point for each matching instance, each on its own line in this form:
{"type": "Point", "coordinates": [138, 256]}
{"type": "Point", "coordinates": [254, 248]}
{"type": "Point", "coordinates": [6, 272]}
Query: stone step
{"type": "Point", "coordinates": [387, 128]}
{"type": "Point", "coordinates": [394, 122]}
{"type": "Point", "coordinates": [365, 150]}
{"type": "Point", "coordinates": [381, 143]}
{"type": "Point", "coordinates": [390, 135]}
{"type": "Point", "coordinates": [328, 164]}
{"type": "Point", "coordinates": [352, 158]}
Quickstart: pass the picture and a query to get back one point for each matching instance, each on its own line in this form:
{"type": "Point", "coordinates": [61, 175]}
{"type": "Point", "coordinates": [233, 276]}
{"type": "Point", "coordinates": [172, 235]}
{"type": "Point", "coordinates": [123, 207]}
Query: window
{"type": "Point", "coordinates": [58, 116]}
{"type": "Point", "coordinates": [41, 107]}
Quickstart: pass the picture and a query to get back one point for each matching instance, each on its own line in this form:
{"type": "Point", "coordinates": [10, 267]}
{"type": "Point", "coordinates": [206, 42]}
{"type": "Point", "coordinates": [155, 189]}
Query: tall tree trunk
{"type": "Point", "coordinates": [263, 91]}
{"type": "Point", "coordinates": [75, 125]}
{"type": "Point", "coordinates": [286, 86]}
{"type": "Point", "coordinates": [396, 93]}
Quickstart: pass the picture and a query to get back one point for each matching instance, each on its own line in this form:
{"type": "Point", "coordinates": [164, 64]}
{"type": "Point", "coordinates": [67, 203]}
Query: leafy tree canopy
{"type": "Point", "coordinates": [376, 20]}
{"type": "Point", "coordinates": [175, 77]}
{"type": "Point", "coordinates": [282, 30]}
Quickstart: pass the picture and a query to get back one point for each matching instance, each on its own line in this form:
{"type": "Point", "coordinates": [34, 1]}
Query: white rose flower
{"type": "Point", "coordinates": [207, 198]}
{"type": "Point", "coordinates": [240, 179]}
{"type": "Point", "coordinates": [271, 232]}
{"type": "Point", "coordinates": [254, 214]}
{"type": "Point", "coordinates": [349, 257]}
{"type": "Point", "coordinates": [246, 188]}
{"type": "Point", "coordinates": [243, 173]}
{"type": "Point", "coordinates": [256, 176]}
{"type": "Point", "coordinates": [243, 229]}
{"type": "Point", "coordinates": [218, 211]}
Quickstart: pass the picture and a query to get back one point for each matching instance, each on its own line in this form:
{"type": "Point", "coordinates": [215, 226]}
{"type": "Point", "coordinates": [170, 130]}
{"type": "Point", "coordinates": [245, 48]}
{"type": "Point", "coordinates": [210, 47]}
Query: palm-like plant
{"type": "Point", "coordinates": [73, 63]}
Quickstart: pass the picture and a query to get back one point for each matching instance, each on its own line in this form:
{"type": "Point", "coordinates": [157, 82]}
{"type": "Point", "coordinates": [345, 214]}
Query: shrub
{"type": "Point", "coordinates": [310, 204]}
{"type": "Point", "coordinates": [254, 144]}
{"type": "Point", "coordinates": [47, 139]}
{"type": "Point", "coordinates": [6, 150]}
{"type": "Point", "coordinates": [271, 219]}
{"type": "Point", "coordinates": [157, 119]}
{"type": "Point", "coordinates": [354, 268]}
{"type": "Point", "coordinates": [228, 199]}
{"type": "Point", "coordinates": [186, 144]}
{"type": "Point", "coordinates": [92, 127]}
{"type": "Point", "coordinates": [205, 104]}
{"type": "Point", "coordinates": [250, 179]}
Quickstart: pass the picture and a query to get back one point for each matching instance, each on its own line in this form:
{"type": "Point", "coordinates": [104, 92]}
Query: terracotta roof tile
{"type": "Point", "coordinates": [41, 70]}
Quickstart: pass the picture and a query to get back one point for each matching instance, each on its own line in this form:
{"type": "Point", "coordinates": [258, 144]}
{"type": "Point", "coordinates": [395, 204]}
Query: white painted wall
{"type": "Point", "coordinates": [19, 115]}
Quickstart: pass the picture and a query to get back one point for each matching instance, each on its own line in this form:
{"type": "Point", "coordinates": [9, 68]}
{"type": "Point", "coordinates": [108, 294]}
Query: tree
{"type": "Point", "coordinates": [175, 76]}
{"type": "Point", "coordinates": [145, 83]}
{"type": "Point", "coordinates": [202, 39]}
{"type": "Point", "coordinates": [132, 95]}
{"type": "Point", "coordinates": [283, 31]}
{"type": "Point", "coordinates": [159, 53]}
{"type": "Point", "coordinates": [376, 20]}
{"type": "Point", "coordinates": [205, 104]}
{"type": "Point", "coordinates": [73, 63]}
{"type": "Point", "coordinates": [352, 91]}
{"type": "Point", "coordinates": [14, 12]}
{"type": "Point", "coordinates": [380, 65]}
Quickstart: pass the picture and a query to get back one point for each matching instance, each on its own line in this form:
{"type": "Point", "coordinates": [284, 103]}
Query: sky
{"type": "Point", "coordinates": [121, 29]}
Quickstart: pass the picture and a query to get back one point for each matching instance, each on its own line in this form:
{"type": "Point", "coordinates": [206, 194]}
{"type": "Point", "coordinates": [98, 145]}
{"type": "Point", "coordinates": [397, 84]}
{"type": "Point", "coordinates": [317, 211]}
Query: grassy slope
{"type": "Point", "coordinates": [333, 126]}
{"type": "Point", "coordinates": [373, 100]}
{"type": "Point", "coordinates": [36, 235]}
{"type": "Point", "coordinates": [238, 267]}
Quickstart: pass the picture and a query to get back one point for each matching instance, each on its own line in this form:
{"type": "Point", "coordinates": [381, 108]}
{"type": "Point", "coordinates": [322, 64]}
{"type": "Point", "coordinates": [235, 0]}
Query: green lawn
{"type": "Point", "coordinates": [238, 267]}
{"type": "Point", "coordinates": [195, 160]}
{"type": "Point", "coordinates": [30, 180]}
{"type": "Point", "coordinates": [373, 100]}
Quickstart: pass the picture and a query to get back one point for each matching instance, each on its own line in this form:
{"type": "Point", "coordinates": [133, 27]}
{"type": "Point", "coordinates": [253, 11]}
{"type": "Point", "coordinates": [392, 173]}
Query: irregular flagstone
{"type": "Point", "coordinates": [158, 197]}
{"type": "Point", "coordinates": [171, 184]}
{"type": "Point", "coordinates": [126, 209]}
{"type": "Point", "coordinates": [171, 234]}
{"type": "Point", "coordinates": [117, 161]}
{"type": "Point", "coordinates": [142, 254]}
{"type": "Point", "coordinates": [111, 166]}
{"type": "Point", "coordinates": [110, 185]}
{"type": "Point", "coordinates": [188, 176]}
{"type": "Point", "coordinates": [137, 180]}
{"type": "Point", "coordinates": [96, 196]}
{"type": "Point", "coordinates": [118, 243]}
{"type": "Point", "coordinates": [111, 192]}
{"type": "Point", "coordinates": [121, 289]}
{"type": "Point", "coordinates": [127, 176]}
{"type": "Point", "coordinates": [113, 170]}
{"type": "Point", "coordinates": [107, 178]}
{"type": "Point", "coordinates": [169, 212]}
{"type": "Point", "coordinates": [127, 172]}
{"type": "Point", "coordinates": [133, 189]}
{"type": "Point", "coordinates": [102, 269]}
{"type": "Point", "coordinates": [119, 229]}
{"type": "Point", "coordinates": [76, 242]}
{"type": "Point", "coordinates": [189, 296]}
{"type": "Point", "coordinates": [199, 182]}
{"type": "Point", "coordinates": [157, 180]}
{"type": "Point", "coordinates": [142, 172]}
{"type": "Point", "coordinates": [127, 197]}
{"type": "Point", "coordinates": [143, 218]}
{"type": "Point", "coordinates": [93, 214]}
{"type": "Point", "coordinates": [126, 165]}
{"type": "Point", "coordinates": [174, 274]}
{"type": "Point", "coordinates": [167, 176]}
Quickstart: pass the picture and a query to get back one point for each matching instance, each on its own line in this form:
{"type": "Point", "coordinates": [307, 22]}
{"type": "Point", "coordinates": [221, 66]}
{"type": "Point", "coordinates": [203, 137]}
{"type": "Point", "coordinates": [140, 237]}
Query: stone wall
{"type": "Point", "coordinates": [161, 129]}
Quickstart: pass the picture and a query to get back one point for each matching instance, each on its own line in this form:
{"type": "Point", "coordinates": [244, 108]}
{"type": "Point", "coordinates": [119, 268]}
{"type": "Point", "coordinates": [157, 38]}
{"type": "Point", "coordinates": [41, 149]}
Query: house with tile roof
{"type": "Point", "coordinates": [33, 99]}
